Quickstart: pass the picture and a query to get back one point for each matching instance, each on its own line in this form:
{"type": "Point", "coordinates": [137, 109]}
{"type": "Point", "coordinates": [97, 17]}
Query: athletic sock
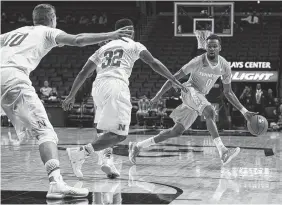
{"type": "Point", "coordinates": [53, 169]}
{"type": "Point", "coordinates": [220, 146]}
{"type": "Point", "coordinates": [146, 143]}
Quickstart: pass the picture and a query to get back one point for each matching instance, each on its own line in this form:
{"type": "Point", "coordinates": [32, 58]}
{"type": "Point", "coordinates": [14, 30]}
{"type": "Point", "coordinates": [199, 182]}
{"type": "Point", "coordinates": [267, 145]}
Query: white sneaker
{"type": "Point", "coordinates": [81, 201]}
{"type": "Point", "coordinates": [77, 158]}
{"type": "Point", "coordinates": [60, 190]}
{"type": "Point", "coordinates": [133, 152]}
{"type": "Point", "coordinates": [110, 170]}
{"type": "Point", "coordinates": [107, 165]}
{"type": "Point", "coordinates": [229, 155]}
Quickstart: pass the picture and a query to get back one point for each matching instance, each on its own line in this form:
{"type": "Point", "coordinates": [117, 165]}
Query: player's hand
{"type": "Point", "coordinates": [248, 115]}
{"type": "Point", "coordinates": [177, 85]}
{"type": "Point", "coordinates": [126, 31]}
{"type": "Point", "coordinates": [68, 103]}
{"type": "Point", "coordinates": [155, 99]}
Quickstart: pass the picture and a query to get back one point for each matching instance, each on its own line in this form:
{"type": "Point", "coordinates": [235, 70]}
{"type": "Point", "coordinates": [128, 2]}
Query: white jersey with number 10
{"type": "Point", "coordinates": [24, 48]}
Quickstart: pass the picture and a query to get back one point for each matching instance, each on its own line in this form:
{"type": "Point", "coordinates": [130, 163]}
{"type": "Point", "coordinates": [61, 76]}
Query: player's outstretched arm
{"type": "Point", "coordinates": [86, 71]}
{"type": "Point", "coordinates": [231, 97]}
{"type": "Point", "coordinates": [185, 70]}
{"type": "Point", "coordinates": [168, 85]}
{"type": "Point", "coordinates": [85, 39]}
{"type": "Point", "coordinates": [160, 68]}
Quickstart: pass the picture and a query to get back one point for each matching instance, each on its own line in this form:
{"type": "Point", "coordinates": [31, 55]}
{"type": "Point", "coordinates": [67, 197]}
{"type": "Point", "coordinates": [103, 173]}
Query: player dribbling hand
{"type": "Point", "coordinates": [177, 85]}
{"type": "Point", "coordinates": [155, 99]}
{"type": "Point", "coordinates": [248, 115]}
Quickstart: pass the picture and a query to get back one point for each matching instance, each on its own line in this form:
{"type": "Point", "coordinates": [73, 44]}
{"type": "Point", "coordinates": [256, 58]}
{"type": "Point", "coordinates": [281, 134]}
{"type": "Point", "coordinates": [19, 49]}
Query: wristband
{"type": "Point", "coordinates": [243, 111]}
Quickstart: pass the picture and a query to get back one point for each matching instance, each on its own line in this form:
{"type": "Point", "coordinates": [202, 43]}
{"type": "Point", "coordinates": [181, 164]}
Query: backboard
{"type": "Point", "coordinates": [217, 17]}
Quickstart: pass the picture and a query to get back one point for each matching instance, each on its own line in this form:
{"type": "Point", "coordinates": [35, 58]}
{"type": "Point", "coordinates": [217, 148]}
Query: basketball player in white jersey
{"type": "Point", "coordinates": [21, 52]}
{"type": "Point", "coordinates": [205, 70]}
{"type": "Point", "coordinates": [113, 63]}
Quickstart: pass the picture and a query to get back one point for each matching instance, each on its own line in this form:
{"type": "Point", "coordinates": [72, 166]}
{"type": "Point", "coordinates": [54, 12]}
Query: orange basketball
{"type": "Point", "coordinates": [258, 125]}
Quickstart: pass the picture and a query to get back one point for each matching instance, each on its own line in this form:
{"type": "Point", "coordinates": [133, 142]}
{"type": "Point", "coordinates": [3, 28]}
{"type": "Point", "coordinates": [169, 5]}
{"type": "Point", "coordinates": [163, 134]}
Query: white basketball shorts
{"type": "Point", "coordinates": [193, 105]}
{"type": "Point", "coordinates": [23, 107]}
{"type": "Point", "coordinates": [112, 98]}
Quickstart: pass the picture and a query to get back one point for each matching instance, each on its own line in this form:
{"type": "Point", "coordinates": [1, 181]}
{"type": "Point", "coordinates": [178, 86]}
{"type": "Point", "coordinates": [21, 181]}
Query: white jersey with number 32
{"type": "Point", "coordinates": [116, 58]}
{"type": "Point", "coordinates": [24, 48]}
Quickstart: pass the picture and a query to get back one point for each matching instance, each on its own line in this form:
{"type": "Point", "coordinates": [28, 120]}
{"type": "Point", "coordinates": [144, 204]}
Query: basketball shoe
{"type": "Point", "coordinates": [133, 152]}
{"type": "Point", "coordinates": [59, 190]}
{"type": "Point", "coordinates": [229, 155]}
{"type": "Point", "coordinates": [107, 165]}
{"type": "Point", "coordinates": [77, 157]}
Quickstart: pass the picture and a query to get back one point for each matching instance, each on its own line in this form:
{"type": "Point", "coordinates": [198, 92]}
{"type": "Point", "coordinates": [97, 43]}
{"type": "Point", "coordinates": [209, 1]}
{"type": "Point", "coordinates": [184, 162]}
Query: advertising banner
{"type": "Point", "coordinates": [251, 65]}
{"type": "Point", "coordinates": [254, 76]}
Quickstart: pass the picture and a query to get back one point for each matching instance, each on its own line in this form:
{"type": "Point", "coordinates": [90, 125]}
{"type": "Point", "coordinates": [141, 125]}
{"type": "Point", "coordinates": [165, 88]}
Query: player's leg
{"type": "Point", "coordinates": [199, 103]}
{"type": "Point", "coordinates": [115, 118]}
{"type": "Point", "coordinates": [103, 155]}
{"type": "Point", "coordinates": [135, 148]}
{"type": "Point", "coordinates": [225, 154]}
{"type": "Point", "coordinates": [23, 106]}
{"type": "Point", "coordinates": [183, 118]}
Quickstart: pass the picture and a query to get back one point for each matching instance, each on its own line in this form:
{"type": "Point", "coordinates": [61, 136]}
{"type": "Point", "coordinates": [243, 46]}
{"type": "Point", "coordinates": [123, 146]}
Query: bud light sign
{"type": "Point", "coordinates": [254, 76]}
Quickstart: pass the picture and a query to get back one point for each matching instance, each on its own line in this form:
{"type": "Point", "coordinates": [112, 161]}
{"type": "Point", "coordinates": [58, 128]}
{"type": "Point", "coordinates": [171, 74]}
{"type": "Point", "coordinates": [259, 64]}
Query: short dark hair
{"type": "Point", "coordinates": [42, 14]}
{"type": "Point", "coordinates": [214, 37]}
{"type": "Point", "coordinates": [122, 23]}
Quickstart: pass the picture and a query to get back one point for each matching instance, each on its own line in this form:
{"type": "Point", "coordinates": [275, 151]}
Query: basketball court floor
{"type": "Point", "coordinates": [186, 170]}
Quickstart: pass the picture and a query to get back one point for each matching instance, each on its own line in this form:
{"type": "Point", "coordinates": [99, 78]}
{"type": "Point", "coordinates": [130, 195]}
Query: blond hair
{"type": "Point", "coordinates": [43, 14]}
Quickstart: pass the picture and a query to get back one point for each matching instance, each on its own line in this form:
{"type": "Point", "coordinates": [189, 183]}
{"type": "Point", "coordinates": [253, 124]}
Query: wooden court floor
{"type": "Point", "coordinates": [186, 170]}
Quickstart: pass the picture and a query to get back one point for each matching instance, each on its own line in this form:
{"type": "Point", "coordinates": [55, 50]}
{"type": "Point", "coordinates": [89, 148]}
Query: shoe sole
{"type": "Point", "coordinates": [62, 196]}
{"type": "Point", "coordinates": [69, 155]}
{"type": "Point", "coordinates": [108, 171]}
{"type": "Point", "coordinates": [232, 156]}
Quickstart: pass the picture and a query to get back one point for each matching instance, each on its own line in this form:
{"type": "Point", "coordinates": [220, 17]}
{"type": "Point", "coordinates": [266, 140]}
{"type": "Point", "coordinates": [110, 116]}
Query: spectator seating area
{"type": "Point", "coordinates": [61, 65]}
{"type": "Point", "coordinates": [254, 44]}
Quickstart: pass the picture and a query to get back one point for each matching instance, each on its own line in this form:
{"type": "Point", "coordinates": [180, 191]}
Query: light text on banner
{"type": "Point", "coordinates": [254, 76]}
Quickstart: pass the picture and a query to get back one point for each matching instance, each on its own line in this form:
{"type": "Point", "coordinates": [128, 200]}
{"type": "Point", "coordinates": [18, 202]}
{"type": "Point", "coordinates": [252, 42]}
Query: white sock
{"type": "Point", "coordinates": [146, 143]}
{"type": "Point", "coordinates": [220, 146]}
{"type": "Point", "coordinates": [53, 169]}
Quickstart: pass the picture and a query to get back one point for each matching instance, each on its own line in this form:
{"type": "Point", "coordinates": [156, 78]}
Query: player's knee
{"type": "Point", "coordinates": [48, 137]}
{"type": "Point", "coordinates": [209, 113]}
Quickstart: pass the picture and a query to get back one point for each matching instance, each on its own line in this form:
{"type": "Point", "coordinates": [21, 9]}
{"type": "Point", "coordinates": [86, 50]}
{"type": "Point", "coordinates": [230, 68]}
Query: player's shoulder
{"type": "Point", "coordinates": [199, 59]}
{"type": "Point", "coordinates": [132, 42]}
{"type": "Point", "coordinates": [46, 29]}
{"type": "Point", "coordinates": [223, 60]}
{"type": "Point", "coordinates": [21, 29]}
